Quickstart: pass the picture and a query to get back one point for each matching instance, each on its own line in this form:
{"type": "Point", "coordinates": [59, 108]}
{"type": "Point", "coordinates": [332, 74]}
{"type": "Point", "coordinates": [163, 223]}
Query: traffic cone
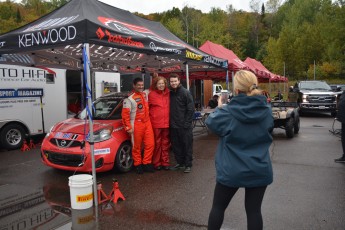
{"type": "Point", "coordinates": [25, 146]}
{"type": "Point", "coordinates": [116, 194]}
{"type": "Point", "coordinates": [102, 197]}
{"type": "Point", "coordinates": [31, 145]}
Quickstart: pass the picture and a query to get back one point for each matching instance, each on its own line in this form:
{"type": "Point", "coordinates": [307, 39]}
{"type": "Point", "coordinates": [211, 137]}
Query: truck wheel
{"type": "Point", "coordinates": [12, 136]}
{"type": "Point", "coordinates": [296, 125]}
{"type": "Point", "coordinates": [289, 126]}
{"type": "Point", "coordinates": [123, 158]}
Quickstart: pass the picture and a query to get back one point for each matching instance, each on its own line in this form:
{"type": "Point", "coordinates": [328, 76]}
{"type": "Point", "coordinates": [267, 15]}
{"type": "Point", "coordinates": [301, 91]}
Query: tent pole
{"type": "Point", "coordinates": [82, 94]}
{"type": "Point", "coordinates": [91, 140]}
{"type": "Point", "coordinates": [227, 79]}
{"type": "Point", "coordinates": [187, 76]}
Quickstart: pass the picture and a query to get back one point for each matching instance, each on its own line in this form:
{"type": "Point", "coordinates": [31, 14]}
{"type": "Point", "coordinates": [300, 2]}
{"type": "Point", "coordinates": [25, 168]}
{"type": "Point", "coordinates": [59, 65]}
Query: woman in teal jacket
{"type": "Point", "coordinates": [242, 156]}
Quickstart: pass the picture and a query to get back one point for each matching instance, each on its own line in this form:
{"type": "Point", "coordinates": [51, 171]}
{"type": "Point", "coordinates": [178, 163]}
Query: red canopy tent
{"type": "Point", "coordinates": [262, 72]}
{"type": "Point", "coordinates": [234, 63]}
{"type": "Point", "coordinates": [259, 69]}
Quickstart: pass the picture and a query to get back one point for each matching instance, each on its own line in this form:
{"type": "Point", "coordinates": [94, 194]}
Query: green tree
{"type": "Point", "coordinates": [311, 31]}
{"type": "Point", "coordinates": [175, 26]}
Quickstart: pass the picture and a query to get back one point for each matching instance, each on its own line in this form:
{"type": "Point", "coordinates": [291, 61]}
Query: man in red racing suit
{"type": "Point", "coordinates": [136, 120]}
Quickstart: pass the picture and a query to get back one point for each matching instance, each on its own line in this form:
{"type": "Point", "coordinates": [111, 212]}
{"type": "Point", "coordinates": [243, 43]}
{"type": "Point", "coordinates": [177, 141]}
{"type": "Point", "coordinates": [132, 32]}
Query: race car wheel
{"type": "Point", "coordinates": [123, 158]}
{"type": "Point", "coordinates": [289, 127]}
{"type": "Point", "coordinates": [296, 125]}
{"type": "Point", "coordinates": [12, 136]}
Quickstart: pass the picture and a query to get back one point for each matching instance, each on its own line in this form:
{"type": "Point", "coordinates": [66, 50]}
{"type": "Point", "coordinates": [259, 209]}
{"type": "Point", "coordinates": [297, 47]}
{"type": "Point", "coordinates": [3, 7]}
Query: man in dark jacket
{"type": "Point", "coordinates": [341, 118]}
{"type": "Point", "coordinates": [181, 119]}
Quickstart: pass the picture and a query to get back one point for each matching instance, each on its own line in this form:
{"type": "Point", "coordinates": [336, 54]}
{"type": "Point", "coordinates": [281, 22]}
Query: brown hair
{"type": "Point", "coordinates": [246, 82]}
{"type": "Point", "coordinates": [155, 80]}
{"type": "Point", "coordinates": [174, 75]}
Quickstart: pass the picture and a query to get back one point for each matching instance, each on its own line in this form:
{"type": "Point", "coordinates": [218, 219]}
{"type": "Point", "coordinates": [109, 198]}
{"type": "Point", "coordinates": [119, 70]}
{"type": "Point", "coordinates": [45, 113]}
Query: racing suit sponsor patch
{"type": "Point", "coordinates": [126, 104]}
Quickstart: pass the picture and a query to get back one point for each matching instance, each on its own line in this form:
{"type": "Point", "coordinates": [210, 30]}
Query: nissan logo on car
{"type": "Point", "coordinates": [63, 143]}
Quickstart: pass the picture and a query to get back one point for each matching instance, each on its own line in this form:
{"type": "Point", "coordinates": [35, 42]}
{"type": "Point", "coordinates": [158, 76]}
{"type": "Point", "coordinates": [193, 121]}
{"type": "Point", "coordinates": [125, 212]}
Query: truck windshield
{"type": "Point", "coordinates": [105, 109]}
{"type": "Point", "coordinates": [314, 85]}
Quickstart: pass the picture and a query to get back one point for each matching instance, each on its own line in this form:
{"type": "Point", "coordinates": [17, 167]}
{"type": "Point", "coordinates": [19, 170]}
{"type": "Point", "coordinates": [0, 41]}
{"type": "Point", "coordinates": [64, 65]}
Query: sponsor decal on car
{"type": "Point", "coordinates": [66, 135]}
{"type": "Point", "coordinates": [102, 151]}
{"type": "Point", "coordinates": [118, 129]}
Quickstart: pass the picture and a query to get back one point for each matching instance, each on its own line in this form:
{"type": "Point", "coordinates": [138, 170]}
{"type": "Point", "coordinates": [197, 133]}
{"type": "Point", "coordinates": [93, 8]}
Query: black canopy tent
{"type": "Point", "coordinates": [119, 41]}
{"type": "Point", "coordinates": [98, 37]}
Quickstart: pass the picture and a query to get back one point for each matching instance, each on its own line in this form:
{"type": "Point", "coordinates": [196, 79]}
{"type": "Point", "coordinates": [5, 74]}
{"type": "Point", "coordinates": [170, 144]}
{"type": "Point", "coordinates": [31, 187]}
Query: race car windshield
{"type": "Point", "coordinates": [104, 109]}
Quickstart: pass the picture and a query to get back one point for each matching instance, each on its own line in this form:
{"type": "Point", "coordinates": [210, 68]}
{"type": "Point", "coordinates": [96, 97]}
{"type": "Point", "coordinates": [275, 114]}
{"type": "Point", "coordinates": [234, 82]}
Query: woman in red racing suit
{"type": "Point", "coordinates": [159, 101]}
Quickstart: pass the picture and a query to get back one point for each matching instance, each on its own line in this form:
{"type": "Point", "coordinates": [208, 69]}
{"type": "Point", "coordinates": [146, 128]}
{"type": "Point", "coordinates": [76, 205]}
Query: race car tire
{"type": "Point", "coordinates": [123, 158]}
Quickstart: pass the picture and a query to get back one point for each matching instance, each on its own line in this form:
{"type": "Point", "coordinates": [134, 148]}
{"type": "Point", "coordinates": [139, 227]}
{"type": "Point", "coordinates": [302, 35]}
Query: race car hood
{"type": "Point", "coordinates": [78, 126]}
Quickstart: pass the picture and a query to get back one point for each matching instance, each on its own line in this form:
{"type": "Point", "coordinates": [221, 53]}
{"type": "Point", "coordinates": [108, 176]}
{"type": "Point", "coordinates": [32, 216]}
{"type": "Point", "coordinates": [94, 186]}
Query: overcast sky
{"type": "Point", "coordinates": [154, 6]}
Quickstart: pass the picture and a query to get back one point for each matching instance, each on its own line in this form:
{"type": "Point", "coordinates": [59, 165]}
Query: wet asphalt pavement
{"type": "Point", "coordinates": [307, 192]}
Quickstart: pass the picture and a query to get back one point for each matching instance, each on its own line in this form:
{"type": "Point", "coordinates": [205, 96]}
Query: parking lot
{"type": "Point", "coordinates": [307, 192]}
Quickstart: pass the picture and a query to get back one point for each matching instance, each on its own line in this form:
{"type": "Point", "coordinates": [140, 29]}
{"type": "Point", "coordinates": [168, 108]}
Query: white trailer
{"type": "Point", "coordinates": [32, 100]}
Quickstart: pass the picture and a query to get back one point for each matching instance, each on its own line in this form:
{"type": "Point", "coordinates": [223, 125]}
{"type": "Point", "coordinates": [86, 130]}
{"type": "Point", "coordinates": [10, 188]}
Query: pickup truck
{"type": "Point", "coordinates": [315, 96]}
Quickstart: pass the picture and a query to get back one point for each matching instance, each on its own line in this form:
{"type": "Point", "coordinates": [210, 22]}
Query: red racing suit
{"type": "Point", "coordinates": [135, 116]}
{"type": "Point", "coordinates": [159, 103]}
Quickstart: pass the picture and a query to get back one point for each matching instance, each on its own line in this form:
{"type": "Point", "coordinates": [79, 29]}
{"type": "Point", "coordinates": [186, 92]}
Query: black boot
{"type": "Point", "coordinates": [139, 169]}
{"type": "Point", "coordinates": [148, 168]}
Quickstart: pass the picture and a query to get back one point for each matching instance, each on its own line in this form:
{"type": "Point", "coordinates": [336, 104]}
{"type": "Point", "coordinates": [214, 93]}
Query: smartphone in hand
{"type": "Point", "coordinates": [224, 96]}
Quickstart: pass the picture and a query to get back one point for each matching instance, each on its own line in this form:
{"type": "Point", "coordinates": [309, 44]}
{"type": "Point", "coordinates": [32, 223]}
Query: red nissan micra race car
{"type": "Point", "coordinates": [67, 146]}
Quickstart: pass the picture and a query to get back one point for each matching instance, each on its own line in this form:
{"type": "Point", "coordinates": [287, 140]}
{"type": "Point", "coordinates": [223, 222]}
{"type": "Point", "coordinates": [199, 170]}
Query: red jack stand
{"type": "Point", "coordinates": [116, 194]}
{"type": "Point", "coordinates": [25, 146]}
{"type": "Point", "coordinates": [31, 145]}
{"type": "Point", "coordinates": [102, 197]}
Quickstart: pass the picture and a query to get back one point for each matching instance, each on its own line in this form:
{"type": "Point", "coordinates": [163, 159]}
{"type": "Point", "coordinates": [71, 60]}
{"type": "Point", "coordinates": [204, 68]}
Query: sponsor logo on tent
{"type": "Point", "coordinates": [171, 68]}
{"type": "Point", "coordinates": [193, 56]}
{"type": "Point", "coordinates": [134, 30]}
{"type": "Point", "coordinates": [47, 37]}
{"type": "Point", "coordinates": [118, 39]}
{"type": "Point", "coordinates": [157, 48]}
{"type": "Point", "coordinates": [215, 61]}
{"type": "Point", "coordinates": [2, 44]}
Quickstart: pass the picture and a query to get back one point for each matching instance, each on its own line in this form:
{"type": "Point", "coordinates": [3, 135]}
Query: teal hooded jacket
{"type": "Point", "coordinates": [244, 127]}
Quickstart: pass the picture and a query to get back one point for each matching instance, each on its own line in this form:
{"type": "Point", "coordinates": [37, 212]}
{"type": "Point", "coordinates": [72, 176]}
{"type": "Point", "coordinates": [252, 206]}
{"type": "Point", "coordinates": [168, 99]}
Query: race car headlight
{"type": "Point", "coordinates": [102, 134]}
{"type": "Point", "coordinates": [50, 130]}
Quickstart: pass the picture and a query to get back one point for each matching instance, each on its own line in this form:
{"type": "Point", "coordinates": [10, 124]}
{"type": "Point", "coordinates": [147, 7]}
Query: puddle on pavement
{"type": "Point", "coordinates": [23, 207]}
